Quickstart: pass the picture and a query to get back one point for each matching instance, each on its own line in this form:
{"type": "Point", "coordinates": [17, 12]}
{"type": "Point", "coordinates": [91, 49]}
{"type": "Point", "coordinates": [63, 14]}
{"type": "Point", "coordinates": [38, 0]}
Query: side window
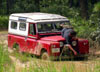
{"type": "Point", "coordinates": [32, 29]}
{"type": "Point", "coordinates": [14, 25]}
{"type": "Point", "coordinates": [22, 26]}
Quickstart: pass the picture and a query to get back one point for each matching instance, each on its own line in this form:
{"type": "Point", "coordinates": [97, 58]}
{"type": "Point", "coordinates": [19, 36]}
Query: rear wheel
{"type": "Point", "coordinates": [16, 47]}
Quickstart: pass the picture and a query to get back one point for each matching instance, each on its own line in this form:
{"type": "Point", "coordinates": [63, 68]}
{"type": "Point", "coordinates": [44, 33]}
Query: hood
{"type": "Point", "coordinates": [53, 38]}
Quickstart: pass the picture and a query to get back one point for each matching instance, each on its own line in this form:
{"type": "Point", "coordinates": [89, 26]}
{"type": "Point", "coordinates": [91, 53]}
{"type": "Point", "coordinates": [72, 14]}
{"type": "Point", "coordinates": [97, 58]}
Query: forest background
{"type": "Point", "coordinates": [83, 14]}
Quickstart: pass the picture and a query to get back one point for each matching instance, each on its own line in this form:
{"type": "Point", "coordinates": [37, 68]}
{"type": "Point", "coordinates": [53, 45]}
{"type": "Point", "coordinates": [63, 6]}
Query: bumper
{"type": "Point", "coordinates": [82, 55]}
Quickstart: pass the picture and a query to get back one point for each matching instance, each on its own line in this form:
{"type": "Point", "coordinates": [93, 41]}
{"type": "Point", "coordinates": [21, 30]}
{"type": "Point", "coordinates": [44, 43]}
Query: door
{"type": "Point", "coordinates": [31, 40]}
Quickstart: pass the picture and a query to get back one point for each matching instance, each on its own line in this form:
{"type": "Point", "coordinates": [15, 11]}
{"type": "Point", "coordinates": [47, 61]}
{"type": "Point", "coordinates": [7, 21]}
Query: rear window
{"type": "Point", "coordinates": [14, 25]}
{"type": "Point", "coordinates": [22, 26]}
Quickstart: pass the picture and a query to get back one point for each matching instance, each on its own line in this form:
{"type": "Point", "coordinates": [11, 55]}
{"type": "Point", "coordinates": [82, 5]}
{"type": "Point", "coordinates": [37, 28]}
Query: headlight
{"type": "Point", "coordinates": [55, 50]}
{"type": "Point", "coordinates": [61, 44]}
{"type": "Point", "coordinates": [74, 43]}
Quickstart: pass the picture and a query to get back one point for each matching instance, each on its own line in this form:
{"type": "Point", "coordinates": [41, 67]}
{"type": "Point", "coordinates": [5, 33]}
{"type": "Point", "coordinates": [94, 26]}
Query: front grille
{"type": "Point", "coordinates": [68, 51]}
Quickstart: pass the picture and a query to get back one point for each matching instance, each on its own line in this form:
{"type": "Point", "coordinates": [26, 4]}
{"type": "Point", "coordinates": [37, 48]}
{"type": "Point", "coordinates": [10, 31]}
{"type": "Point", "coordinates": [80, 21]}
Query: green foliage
{"type": "Point", "coordinates": [97, 7]}
{"type": "Point", "coordinates": [3, 8]}
{"type": "Point", "coordinates": [3, 22]}
{"type": "Point", "coordinates": [23, 6]}
{"type": "Point", "coordinates": [58, 7]}
{"type": "Point", "coordinates": [82, 27]}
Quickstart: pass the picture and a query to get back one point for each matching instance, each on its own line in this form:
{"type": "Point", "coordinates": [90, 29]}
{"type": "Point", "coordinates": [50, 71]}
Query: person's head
{"type": "Point", "coordinates": [73, 33]}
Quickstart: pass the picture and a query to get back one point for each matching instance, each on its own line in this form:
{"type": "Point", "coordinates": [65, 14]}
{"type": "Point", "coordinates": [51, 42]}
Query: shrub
{"type": "Point", "coordinates": [3, 22]}
{"type": "Point", "coordinates": [82, 27]}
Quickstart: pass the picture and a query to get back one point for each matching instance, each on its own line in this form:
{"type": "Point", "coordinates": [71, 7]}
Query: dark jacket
{"type": "Point", "coordinates": [66, 32]}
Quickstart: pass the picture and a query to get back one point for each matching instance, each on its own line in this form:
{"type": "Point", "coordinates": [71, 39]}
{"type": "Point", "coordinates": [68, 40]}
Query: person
{"type": "Point", "coordinates": [68, 33]}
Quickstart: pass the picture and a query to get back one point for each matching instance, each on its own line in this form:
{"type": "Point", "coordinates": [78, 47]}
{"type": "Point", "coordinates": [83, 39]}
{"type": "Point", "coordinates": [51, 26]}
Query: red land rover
{"type": "Point", "coordinates": [40, 34]}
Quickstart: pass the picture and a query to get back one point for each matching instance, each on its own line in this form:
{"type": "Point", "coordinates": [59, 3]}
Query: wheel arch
{"type": "Point", "coordinates": [15, 44]}
{"type": "Point", "coordinates": [43, 50]}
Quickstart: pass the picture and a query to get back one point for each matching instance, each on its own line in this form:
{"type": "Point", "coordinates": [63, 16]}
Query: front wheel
{"type": "Point", "coordinates": [45, 56]}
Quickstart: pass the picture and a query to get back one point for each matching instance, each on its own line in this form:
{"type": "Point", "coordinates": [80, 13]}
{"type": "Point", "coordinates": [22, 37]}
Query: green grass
{"type": "Point", "coordinates": [97, 66]}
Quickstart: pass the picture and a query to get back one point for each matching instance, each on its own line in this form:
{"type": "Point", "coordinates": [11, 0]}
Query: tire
{"type": "Point", "coordinates": [45, 56]}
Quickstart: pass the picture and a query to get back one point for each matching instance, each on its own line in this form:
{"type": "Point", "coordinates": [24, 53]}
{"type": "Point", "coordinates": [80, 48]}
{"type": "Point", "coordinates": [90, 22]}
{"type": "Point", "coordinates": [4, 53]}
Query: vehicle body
{"type": "Point", "coordinates": [40, 34]}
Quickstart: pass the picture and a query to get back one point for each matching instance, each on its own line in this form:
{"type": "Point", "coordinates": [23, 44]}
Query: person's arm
{"type": "Point", "coordinates": [70, 47]}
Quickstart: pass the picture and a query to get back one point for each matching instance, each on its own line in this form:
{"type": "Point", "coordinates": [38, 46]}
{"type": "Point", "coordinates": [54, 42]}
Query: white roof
{"type": "Point", "coordinates": [40, 17]}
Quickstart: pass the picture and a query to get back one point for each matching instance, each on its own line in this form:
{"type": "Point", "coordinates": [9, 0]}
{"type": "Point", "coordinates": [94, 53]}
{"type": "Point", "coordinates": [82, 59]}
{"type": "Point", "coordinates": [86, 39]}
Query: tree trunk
{"type": "Point", "coordinates": [77, 3]}
{"type": "Point", "coordinates": [84, 8]}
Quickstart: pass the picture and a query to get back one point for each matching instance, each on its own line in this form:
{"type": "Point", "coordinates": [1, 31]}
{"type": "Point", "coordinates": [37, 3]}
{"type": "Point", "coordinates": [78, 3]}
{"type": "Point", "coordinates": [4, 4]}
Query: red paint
{"type": "Point", "coordinates": [83, 46]}
{"type": "Point", "coordinates": [53, 38]}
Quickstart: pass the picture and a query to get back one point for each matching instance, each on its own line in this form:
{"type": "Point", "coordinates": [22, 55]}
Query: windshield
{"type": "Point", "coordinates": [50, 27]}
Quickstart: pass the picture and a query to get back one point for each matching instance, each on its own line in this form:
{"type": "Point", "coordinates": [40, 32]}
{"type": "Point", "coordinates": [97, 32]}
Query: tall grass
{"type": "Point", "coordinates": [5, 62]}
{"type": "Point", "coordinates": [37, 65]}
